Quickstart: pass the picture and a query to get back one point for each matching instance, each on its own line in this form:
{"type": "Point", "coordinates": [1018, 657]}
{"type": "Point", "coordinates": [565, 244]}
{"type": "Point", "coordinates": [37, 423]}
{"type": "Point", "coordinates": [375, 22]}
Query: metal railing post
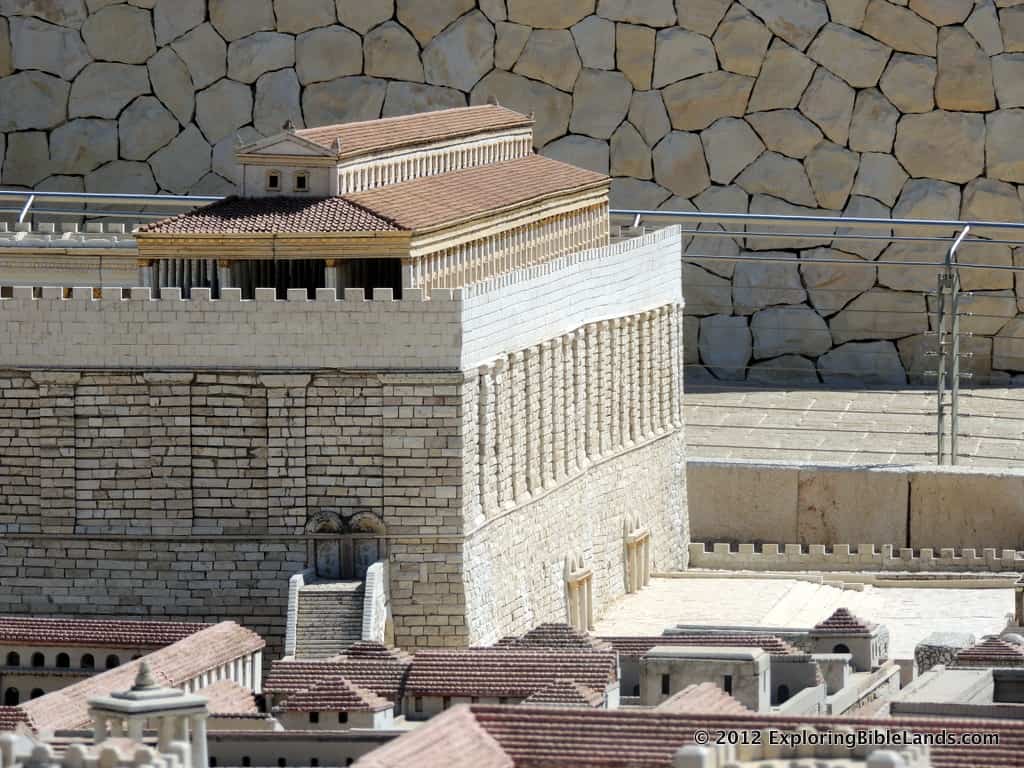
{"type": "Point", "coordinates": [24, 211]}
{"type": "Point", "coordinates": [949, 284]}
{"type": "Point", "coordinates": [940, 395]}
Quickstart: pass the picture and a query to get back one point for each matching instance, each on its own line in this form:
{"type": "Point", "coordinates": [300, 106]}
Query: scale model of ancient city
{"type": "Point", "coordinates": [511, 384]}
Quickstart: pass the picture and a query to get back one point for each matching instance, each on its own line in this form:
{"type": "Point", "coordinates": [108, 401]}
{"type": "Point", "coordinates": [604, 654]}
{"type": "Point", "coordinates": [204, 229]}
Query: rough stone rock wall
{"type": "Point", "coordinates": [869, 107]}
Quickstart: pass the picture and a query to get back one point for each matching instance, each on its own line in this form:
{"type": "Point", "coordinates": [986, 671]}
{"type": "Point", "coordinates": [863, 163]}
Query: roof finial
{"type": "Point", "coordinates": [144, 680]}
{"type": "Point", "coordinates": [289, 126]}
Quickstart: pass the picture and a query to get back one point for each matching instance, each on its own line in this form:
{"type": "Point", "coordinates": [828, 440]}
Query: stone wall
{"type": "Point", "coordinates": [918, 507]}
{"type": "Point", "coordinates": [172, 494]}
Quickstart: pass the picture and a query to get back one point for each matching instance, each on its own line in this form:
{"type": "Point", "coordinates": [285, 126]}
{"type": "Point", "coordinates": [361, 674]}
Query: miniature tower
{"type": "Point", "coordinates": [169, 711]}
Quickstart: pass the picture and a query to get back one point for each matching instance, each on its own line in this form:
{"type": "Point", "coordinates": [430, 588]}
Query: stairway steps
{"type": "Point", "coordinates": [330, 618]}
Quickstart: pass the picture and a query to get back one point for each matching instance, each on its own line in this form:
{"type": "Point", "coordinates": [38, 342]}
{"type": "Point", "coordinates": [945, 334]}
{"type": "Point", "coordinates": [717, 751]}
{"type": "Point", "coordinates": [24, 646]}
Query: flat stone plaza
{"type": "Point", "coordinates": [849, 426]}
{"type": "Point", "coordinates": [910, 614]}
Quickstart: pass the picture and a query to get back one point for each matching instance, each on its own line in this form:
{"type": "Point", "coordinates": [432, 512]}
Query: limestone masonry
{"type": "Point", "coordinates": [865, 107]}
{"type": "Point", "coordinates": [455, 374]}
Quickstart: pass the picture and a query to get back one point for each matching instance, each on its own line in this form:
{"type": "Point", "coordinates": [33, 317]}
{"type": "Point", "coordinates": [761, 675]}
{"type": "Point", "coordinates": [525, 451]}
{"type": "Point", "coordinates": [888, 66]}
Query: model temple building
{"type": "Point", "coordinates": [409, 385]}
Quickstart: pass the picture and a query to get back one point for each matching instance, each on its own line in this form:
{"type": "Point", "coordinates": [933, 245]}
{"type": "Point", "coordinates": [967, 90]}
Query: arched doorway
{"type": "Point", "coordinates": [353, 546]}
{"type": "Point", "coordinates": [367, 543]}
{"type": "Point", "coordinates": [325, 554]}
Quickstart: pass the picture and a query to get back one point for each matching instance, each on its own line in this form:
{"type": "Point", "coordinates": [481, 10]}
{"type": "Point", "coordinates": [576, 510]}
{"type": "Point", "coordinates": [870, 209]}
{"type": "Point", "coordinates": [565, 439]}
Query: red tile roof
{"type": "Point", "coordinates": [635, 647]}
{"type": "Point", "coordinates": [555, 637]}
{"type": "Point", "coordinates": [273, 215]}
{"type": "Point", "coordinates": [565, 693]}
{"type": "Point", "coordinates": [371, 136]}
{"type": "Point", "coordinates": [635, 738]}
{"type": "Point", "coordinates": [228, 698]}
{"type": "Point", "coordinates": [990, 652]}
{"type": "Point", "coordinates": [171, 666]}
{"type": "Point", "coordinates": [11, 718]}
{"type": "Point", "coordinates": [503, 672]}
{"type": "Point", "coordinates": [116, 633]}
{"type": "Point", "coordinates": [453, 739]}
{"type": "Point", "coordinates": [435, 201]}
{"type": "Point", "coordinates": [842, 622]}
{"type": "Point", "coordinates": [333, 694]}
{"type": "Point", "coordinates": [703, 698]}
{"type": "Point", "coordinates": [383, 676]}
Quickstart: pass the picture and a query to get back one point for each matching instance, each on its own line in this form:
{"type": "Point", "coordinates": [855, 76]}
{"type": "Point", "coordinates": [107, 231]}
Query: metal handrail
{"type": "Point", "coordinates": [28, 198]}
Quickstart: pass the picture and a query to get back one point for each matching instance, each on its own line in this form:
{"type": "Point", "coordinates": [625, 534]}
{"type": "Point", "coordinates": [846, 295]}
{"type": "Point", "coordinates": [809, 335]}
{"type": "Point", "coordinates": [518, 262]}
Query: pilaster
{"type": "Point", "coordinates": [286, 452]}
{"type": "Point", "coordinates": [56, 445]}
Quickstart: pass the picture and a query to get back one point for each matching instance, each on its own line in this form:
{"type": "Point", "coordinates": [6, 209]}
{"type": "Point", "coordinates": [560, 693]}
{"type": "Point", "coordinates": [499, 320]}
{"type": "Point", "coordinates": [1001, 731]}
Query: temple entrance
{"type": "Point", "coordinates": [353, 545]}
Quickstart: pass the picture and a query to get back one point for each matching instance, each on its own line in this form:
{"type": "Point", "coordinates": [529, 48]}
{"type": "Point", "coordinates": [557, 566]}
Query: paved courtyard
{"type": "Point", "coordinates": [910, 614]}
{"type": "Point", "coordinates": [857, 426]}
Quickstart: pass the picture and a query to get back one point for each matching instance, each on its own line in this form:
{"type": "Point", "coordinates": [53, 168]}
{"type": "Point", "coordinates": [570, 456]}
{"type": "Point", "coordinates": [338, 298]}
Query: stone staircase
{"type": "Point", "coordinates": [330, 618]}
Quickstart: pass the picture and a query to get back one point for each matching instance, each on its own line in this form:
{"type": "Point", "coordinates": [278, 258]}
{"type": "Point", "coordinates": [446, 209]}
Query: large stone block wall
{"type": "Point", "coordinates": [868, 107]}
{"type": "Point", "coordinates": [169, 494]}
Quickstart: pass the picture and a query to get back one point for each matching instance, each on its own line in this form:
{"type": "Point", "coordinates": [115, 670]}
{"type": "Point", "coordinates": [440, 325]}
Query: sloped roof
{"type": "Point", "coordinates": [990, 652]}
{"type": "Point", "coordinates": [564, 737]}
{"type": "Point", "coordinates": [370, 136]}
{"type": "Point", "coordinates": [555, 637]}
{"type": "Point", "coordinates": [842, 622]}
{"type": "Point", "coordinates": [12, 717]}
{"type": "Point", "coordinates": [433, 201]}
{"type": "Point", "coordinates": [635, 647]}
{"type": "Point", "coordinates": [565, 693]}
{"type": "Point", "coordinates": [333, 694]}
{"type": "Point", "coordinates": [226, 697]}
{"type": "Point", "coordinates": [118, 633]}
{"type": "Point", "coordinates": [171, 666]}
{"type": "Point", "coordinates": [500, 671]}
{"type": "Point", "coordinates": [706, 698]}
{"type": "Point", "coordinates": [372, 667]}
{"type": "Point", "coordinates": [273, 215]}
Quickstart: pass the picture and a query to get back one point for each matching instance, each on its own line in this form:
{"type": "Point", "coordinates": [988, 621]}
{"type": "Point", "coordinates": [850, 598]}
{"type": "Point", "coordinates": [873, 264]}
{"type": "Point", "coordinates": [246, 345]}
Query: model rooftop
{"type": "Point", "coordinates": [122, 633]}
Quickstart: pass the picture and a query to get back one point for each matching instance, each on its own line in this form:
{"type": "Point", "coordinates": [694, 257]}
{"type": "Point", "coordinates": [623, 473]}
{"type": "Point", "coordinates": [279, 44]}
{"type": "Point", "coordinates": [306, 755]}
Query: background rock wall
{"type": "Point", "coordinates": [869, 107]}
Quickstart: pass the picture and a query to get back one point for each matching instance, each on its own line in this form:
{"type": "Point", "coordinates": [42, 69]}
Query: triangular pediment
{"type": "Point", "coordinates": [287, 144]}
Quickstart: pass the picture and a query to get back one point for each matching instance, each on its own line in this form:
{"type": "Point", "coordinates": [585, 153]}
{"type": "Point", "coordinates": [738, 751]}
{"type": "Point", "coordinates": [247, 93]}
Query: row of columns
{"type": "Point", "coordinates": [512, 249]}
{"type": "Point", "coordinates": [378, 173]}
{"type": "Point", "coordinates": [547, 411]}
{"type": "Point", "coordinates": [217, 275]}
{"type": "Point", "coordinates": [579, 584]}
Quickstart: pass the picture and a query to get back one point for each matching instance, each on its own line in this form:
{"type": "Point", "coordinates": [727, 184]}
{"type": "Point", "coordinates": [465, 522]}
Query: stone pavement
{"type": "Point", "coordinates": [854, 426]}
{"type": "Point", "coordinates": [910, 614]}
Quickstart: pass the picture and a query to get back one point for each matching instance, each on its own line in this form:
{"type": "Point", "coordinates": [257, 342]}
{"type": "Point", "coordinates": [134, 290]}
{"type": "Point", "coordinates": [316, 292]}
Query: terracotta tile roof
{"type": "Point", "coordinates": [333, 694]}
{"type": "Point", "coordinates": [412, 130]}
{"type": "Point", "coordinates": [703, 698]}
{"type": "Point", "coordinates": [453, 739]}
{"type": "Point", "coordinates": [635, 647]}
{"type": "Point", "coordinates": [228, 698]}
{"type": "Point", "coordinates": [565, 693]}
{"type": "Point", "coordinates": [435, 201]}
{"type": "Point", "coordinates": [636, 738]}
{"type": "Point", "coordinates": [842, 622]}
{"type": "Point", "coordinates": [273, 215]}
{"type": "Point", "coordinates": [171, 666]}
{"type": "Point", "coordinates": [498, 672]}
{"type": "Point", "coordinates": [367, 649]}
{"type": "Point", "coordinates": [990, 652]}
{"type": "Point", "coordinates": [383, 676]}
{"type": "Point", "coordinates": [554, 637]}
{"type": "Point", "coordinates": [11, 718]}
{"type": "Point", "coordinates": [94, 632]}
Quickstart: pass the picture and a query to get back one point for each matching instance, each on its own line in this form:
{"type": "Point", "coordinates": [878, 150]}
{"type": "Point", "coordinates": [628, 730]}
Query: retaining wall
{"type": "Point", "coordinates": [901, 506]}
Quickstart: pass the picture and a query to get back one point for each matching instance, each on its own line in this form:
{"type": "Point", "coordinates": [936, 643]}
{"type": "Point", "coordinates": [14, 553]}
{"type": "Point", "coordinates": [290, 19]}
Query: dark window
{"type": "Point", "coordinates": [273, 181]}
{"type": "Point", "coordinates": [446, 702]}
{"type": "Point", "coordinates": [314, 717]}
{"type": "Point", "coordinates": [281, 762]}
{"type": "Point", "coordinates": [213, 762]}
{"type": "Point", "coordinates": [349, 761]}
{"type": "Point", "coordinates": [37, 692]}
{"type": "Point", "coordinates": [474, 699]}
{"type": "Point", "coordinates": [782, 693]}
{"type": "Point", "coordinates": [38, 660]}
{"type": "Point", "coordinates": [636, 689]}
{"type": "Point", "coordinates": [301, 182]}
{"type": "Point", "coordinates": [343, 717]}
{"type": "Point", "coordinates": [503, 700]}
{"type": "Point", "coordinates": [246, 762]}
{"type": "Point", "coordinates": [113, 661]}
{"type": "Point", "coordinates": [666, 684]}
{"type": "Point", "coordinates": [313, 762]}
{"type": "Point", "coordinates": [11, 697]}
{"type": "Point", "coordinates": [63, 660]}
{"type": "Point", "coordinates": [418, 704]}
{"type": "Point", "coordinates": [13, 659]}
{"type": "Point", "coordinates": [88, 662]}
{"type": "Point", "coordinates": [727, 684]}
{"type": "Point", "coordinates": [840, 649]}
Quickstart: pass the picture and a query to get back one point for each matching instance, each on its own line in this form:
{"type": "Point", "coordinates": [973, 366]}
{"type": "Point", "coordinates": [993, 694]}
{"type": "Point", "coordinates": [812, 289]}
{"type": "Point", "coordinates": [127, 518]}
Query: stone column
{"type": "Point", "coordinates": [569, 381]}
{"type": "Point", "coordinates": [533, 421]}
{"type": "Point", "coordinates": [588, 602]}
{"type": "Point", "coordinates": [558, 409]}
{"type": "Point", "coordinates": [100, 731]}
{"type": "Point", "coordinates": [580, 364]}
{"type": "Point", "coordinates": [679, 366]}
{"type": "Point", "coordinates": [170, 446]}
{"type": "Point", "coordinates": [545, 429]}
{"type": "Point", "coordinates": [502, 434]}
{"type": "Point", "coordinates": [622, 368]}
{"type": "Point", "coordinates": [224, 274]}
{"type": "Point", "coordinates": [487, 480]}
{"type": "Point", "coordinates": [615, 393]}
{"type": "Point", "coordinates": [646, 366]}
{"type": "Point", "coordinates": [593, 393]}
{"type": "Point", "coordinates": [1018, 602]}
{"type": "Point", "coordinates": [604, 417]}
{"type": "Point", "coordinates": [200, 756]}
{"type": "Point", "coordinates": [331, 274]}
{"type": "Point", "coordinates": [407, 278]}
{"type": "Point", "coordinates": [135, 728]}
{"type": "Point", "coordinates": [286, 452]}
{"type": "Point", "coordinates": [145, 273]}
{"type": "Point", "coordinates": [55, 410]}
{"type": "Point", "coordinates": [517, 418]}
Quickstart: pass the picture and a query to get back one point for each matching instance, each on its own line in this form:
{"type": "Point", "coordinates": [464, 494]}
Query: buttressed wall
{"type": "Point", "coordinates": [864, 106]}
